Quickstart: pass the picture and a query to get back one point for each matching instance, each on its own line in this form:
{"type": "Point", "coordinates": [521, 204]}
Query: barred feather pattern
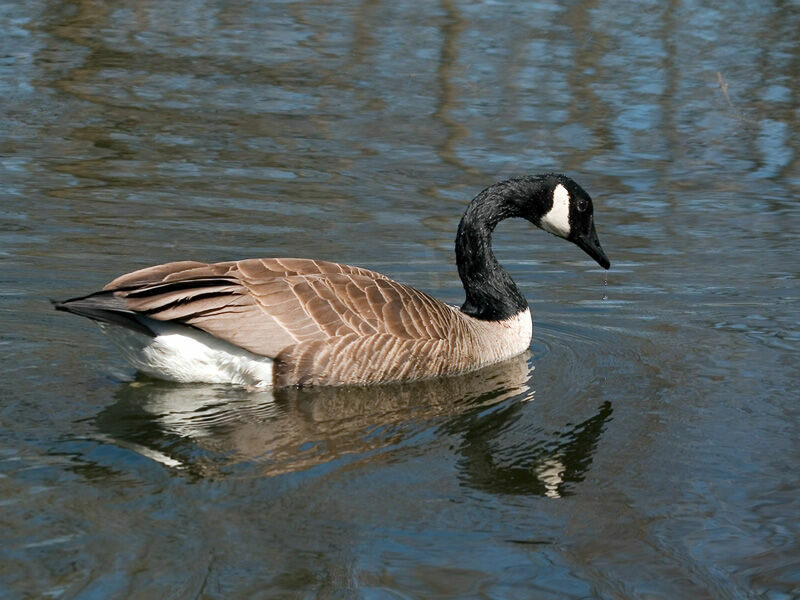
{"type": "Point", "coordinates": [323, 323]}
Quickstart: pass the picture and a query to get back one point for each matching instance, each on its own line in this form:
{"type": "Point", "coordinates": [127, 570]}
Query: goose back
{"type": "Point", "coordinates": [322, 323]}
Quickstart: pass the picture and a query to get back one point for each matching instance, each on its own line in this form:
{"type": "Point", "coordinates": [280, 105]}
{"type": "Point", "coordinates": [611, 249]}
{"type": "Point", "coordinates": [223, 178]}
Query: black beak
{"type": "Point", "coordinates": [589, 243]}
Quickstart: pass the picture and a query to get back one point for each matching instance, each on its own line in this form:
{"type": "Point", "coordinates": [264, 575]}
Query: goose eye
{"type": "Point", "coordinates": [582, 204]}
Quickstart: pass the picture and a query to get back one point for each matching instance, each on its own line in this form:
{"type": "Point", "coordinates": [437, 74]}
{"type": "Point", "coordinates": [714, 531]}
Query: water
{"type": "Point", "coordinates": [647, 446]}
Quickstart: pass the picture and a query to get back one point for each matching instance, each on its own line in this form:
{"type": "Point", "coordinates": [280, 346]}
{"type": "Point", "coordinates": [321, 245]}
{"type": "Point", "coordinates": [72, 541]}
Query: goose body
{"type": "Point", "coordinates": [293, 321]}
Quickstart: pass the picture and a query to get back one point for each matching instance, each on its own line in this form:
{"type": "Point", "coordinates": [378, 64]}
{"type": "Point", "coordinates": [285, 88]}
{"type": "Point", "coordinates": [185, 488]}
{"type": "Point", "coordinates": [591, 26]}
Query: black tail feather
{"type": "Point", "coordinates": [105, 308]}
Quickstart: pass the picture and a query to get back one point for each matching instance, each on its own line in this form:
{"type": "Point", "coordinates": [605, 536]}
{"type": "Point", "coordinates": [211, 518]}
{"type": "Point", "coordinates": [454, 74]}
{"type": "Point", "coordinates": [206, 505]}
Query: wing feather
{"type": "Point", "coordinates": [311, 313]}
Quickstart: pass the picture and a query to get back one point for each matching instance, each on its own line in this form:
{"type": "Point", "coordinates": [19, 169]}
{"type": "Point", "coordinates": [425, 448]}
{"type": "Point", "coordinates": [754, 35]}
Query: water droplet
{"type": "Point", "coordinates": [605, 286]}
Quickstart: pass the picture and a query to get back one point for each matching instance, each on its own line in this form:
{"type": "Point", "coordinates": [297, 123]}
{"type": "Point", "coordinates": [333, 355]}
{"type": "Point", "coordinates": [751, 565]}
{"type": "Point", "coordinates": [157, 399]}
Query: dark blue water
{"type": "Point", "coordinates": [647, 447]}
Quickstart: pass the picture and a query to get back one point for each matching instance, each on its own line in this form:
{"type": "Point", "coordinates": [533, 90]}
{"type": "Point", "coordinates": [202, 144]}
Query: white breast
{"type": "Point", "coordinates": [500, 340]}
{"type": "Point", "coordinates": [520, 333]}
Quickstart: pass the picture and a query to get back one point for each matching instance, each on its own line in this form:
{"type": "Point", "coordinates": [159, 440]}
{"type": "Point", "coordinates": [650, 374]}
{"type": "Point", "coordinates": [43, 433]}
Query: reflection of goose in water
{"type": "Point", "coordinates": [205, 430]}
{"type": "Point", "coordinates": [544, 463]}
{"type": "Point", "coordinates": [216, 431]}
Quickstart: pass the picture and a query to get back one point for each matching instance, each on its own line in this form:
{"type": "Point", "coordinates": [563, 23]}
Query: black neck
{"type": "Point", "coordinates": [491, 293]}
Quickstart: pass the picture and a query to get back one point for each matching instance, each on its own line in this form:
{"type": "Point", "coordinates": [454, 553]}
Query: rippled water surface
{"type": "Point", "coordinates": [646, 447]}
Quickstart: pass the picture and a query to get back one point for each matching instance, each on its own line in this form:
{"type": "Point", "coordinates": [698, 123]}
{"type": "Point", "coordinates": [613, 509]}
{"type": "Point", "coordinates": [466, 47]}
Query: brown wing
{"type": "Point", "coordinates": [315, 317]}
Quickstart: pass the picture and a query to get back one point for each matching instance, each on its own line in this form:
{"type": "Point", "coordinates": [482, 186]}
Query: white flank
{"type": "Point", "coordinates": [557, 218]}
{"type": "Point", "coordinates": [185, 354]}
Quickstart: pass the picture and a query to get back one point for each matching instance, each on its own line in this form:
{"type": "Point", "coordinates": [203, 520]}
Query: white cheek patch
{"type": "Point", "coordinates": [557, 219]}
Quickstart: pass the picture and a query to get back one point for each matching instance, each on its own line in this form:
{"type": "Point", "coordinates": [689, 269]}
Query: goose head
{"type": "Point", "coordinates": [565, 209]}
{"type": "Point", "coordinates": [552, 202]}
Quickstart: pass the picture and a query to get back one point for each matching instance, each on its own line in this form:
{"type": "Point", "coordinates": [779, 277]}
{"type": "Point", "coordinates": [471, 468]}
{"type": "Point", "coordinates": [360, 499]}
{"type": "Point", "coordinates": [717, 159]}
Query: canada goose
{"type": "Point", "coordinates": [293, 321]}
